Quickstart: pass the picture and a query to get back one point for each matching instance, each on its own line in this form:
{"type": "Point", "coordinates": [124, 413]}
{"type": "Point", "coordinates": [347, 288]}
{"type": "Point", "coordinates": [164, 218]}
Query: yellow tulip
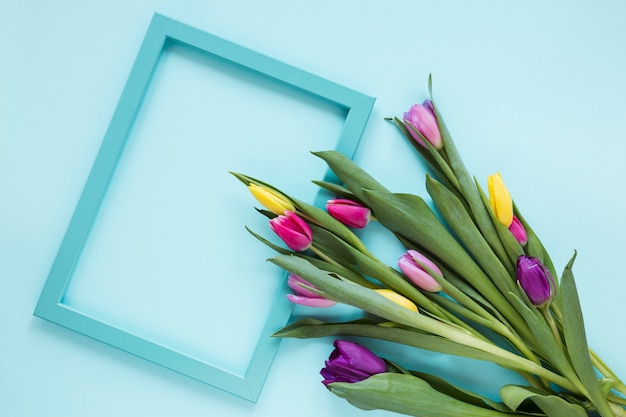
{"type": "Point", "coordinates": [397, 298]}
{"type": "Point", "coordinates": [500, 199]}
{"type": "Point", "coordinates": [270, 199]}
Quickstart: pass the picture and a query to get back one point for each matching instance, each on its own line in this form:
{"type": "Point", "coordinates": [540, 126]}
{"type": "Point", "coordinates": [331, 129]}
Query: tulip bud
{"type": "Point", "coordinates": [304, 296]}
{"type": "Point", "coordinates": [349, 212]}
{"type": "Point", "coordinates": [401, 300]}
{"type": "Point", "coordinates": [294, 231]}
{"type": "Point", "coordinates": [271, 199]}
{"type": "Point", "coordinates": [421, 117]}
{"type": "Point", "coordinates": [517, 230]}
{"type": "Point", "coordinates": [535, 280]}
{"type": "Point", "coordinates": [351, 362]}
{"type": "Point", "coordinates": [410, 263]}
{"type": "Point", "coordinates": [500, 199]}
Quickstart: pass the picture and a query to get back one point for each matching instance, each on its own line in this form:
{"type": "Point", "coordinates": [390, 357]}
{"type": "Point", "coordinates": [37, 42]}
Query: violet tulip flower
{"type": "Point", "coordinates": [304, 296]}
{"type": "Point", "coordinates": [294, 231]}
{"type": "Point", "coordinates": [535, 280]}
{"type": "Point", "coordinates": [421, 117]}
{"type": "Point", "coordinates": [351, 362]}
{"type": "Point", "coordinates": [349, 212]}
{"type": "Point", "coordinates": [409, 264]}
{"type": "Point", "coordinates": [517, 230]}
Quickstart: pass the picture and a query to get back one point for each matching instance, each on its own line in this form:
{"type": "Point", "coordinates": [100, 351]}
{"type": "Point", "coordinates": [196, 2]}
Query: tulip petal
{"type": "Point", "coordinates": [294, 282]}
{"type": "Point", "coordinates": [401, 300]}
{"type": "Point", "coordinates": [271, 199]}
{"type": "Point", "coordinates": [294, 231]}
{"type": "Point", "coordinates": [360, 357]}
{"type": "Point", "coordinates": [349, 212]}
{"type": "Point", "coordinates": [517, 230]}
{"type": "Point", "coordinates": [351, 362]}
{"type": "Point", "coordinates": [317, 302]}
{"type": "Point", "coordinates": [409, 264]}
{"type": "Point", "coordinates": [500, 199]}
{"type": "Point", "coordinates": [535, 280]}
{"type": "Point", "coordinates": [421, 117]}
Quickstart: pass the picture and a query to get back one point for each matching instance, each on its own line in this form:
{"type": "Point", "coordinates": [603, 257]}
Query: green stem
{"type": "Point", "coordinates": [508, 360]}
{"type": "Point", "coordinates": [323, 256]}
{"type": "Point", "coordinates": [491, 322]}
{"type": "Point", "coordinates": [606, 371]}
{"type": "Point", "coordinates": [550, 320]}
{"type": "Point", "coordinates": [616, 399]}
{"type": "Point", "coordinates": [600, 365]}
{"type": "Point", "coordinates": [516, 341]}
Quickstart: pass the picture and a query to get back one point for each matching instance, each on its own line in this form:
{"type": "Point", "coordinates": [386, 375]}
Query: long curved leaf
{"type": "Point", "coordinates": [409, 395]}
{"type": "Point", "coordinates": [552, 405]}
{"type": "Point", "coordinates": [576, 341]}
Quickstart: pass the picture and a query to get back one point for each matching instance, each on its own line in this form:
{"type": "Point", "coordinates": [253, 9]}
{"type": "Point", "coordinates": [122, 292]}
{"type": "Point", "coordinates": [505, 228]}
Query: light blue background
{"type": "Point", "coordinates": [534, 91]}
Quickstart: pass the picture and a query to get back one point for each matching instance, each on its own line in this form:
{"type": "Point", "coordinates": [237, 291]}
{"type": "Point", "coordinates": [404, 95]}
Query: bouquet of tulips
{"type": "Point", "coordinates": [475, 281]}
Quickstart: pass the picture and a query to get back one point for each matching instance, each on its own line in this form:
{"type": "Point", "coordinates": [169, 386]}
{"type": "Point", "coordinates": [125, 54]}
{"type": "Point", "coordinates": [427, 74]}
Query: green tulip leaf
{"type": "Point", "coordinates": [311, 328]}
{"type": "Point", "coordinates": [424, 153]}
{"type": "Point", "coordinates": [432, 157]}
{"type": "Point", "coordinates": [368, 265]}
{"type": "Point", "coordinates": [511, 246]}
{"type": "Point", "coordinates": [328, 222]}
{"type": "Point", "coordinates": [347, 292]}
{"type": "Point", "coordinates": [277, 248]}
{"type": "Point", "coordinates": [460, 394]}
{"type": "Point", "coordinates": [339, 270]}
{"type": "Point", "coordinates": [549, 347]}
{"type": "Point", "coordinates": [456, 215]}
{"type": "Point", "coordinates": [553, 406]}
{"type": "Point", "coordinates": [351, 175]}
{"type": "Point", "coordinates": [337, 190]}
{"type": "Point", "coordinates": [466, 185]}
{"type": "Point", "coordinates": [409, 216]}
{"type": "Point", "coordinates": [409, 395]}
{"type": "Point", "coordinates": [576, 341]}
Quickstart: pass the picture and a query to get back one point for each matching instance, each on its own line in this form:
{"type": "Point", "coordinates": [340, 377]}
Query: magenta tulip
{"type": "Point", "coordinates": [304, 296]}
{"type": "Point", "coordinates": [414, 265]}
{"type": "Point", "coordinates": [517, 230]}
{"type": "Point", "coordinates": [421, 117]}
{"type": "Point", "coordinates": [351, 362]}
{"type": "Point", "coordinates": [535, 280]}
{"type": "Point", "coordinates": [349, 212]}
{"type": "Point", "coordinates": [294, 231]}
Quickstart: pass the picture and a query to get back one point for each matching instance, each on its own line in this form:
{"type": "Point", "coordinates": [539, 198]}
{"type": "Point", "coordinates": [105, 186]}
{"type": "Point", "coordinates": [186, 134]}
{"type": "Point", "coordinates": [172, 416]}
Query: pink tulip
{"type": "Point", "coordinates": [517, 230]}
{"type": "Point", "coordinates": [304, 296]}
{"type": "Point", "coordinates": [294, 231]}
{"type": "Point", "coordinates": [409, 264]}
{"type": "Point", "coordinates": [421, 117]}
{"type": "Point", "coordinates": [349, 212]}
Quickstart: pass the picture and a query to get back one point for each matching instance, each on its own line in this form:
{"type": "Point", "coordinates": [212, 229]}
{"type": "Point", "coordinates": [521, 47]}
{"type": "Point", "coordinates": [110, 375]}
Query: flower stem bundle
{"type": "Point", "coordinates": [475, 281]}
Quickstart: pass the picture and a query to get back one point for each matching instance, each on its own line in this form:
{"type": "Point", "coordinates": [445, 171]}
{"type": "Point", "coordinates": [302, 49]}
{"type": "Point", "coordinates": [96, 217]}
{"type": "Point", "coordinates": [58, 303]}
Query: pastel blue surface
{"type": "Point", "coordinates": [530, 89]}
{"type": "Point", "coordinates": [151, 231]}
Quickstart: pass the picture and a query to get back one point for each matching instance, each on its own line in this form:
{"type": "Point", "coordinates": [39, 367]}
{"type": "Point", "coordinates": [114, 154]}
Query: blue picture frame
{"type": "Point", "coordinates": [50, 306]}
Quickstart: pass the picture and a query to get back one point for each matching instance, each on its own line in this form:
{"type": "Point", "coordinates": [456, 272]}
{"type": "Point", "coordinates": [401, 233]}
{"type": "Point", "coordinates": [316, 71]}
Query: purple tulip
{"type": "Point", "coordinates": [517, 230]}
{"type": "Point", "coordinates": [351, 362]}
{"type": "Point", "coordinates": [293, 231]}
{"type": "Point", "coordinates": [535, 280]}
{"type": "Point", "coordinates": [409, 264]}
{"type": "Point", "coordinates": [421, 117]}
{"type": "Point", "coordinates": [349, 212]}
{"type": "Point", "coordinates": [304, 296]}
